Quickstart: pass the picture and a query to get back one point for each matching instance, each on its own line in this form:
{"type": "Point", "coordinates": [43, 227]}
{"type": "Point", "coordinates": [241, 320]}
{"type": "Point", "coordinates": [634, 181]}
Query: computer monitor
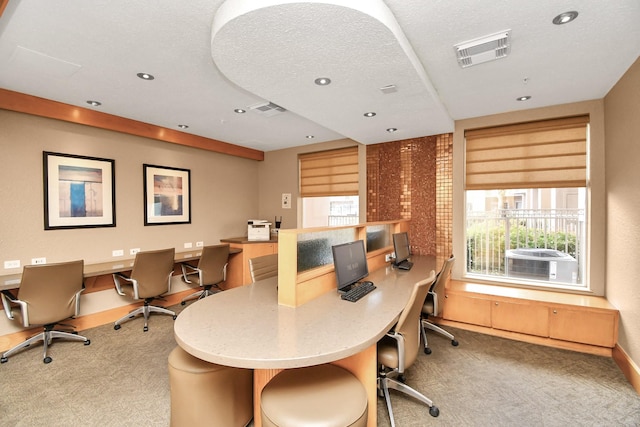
{"type": "Point", "coordinates": [350, 263]}
{"type": "Point", "coordinates": [401, 247]}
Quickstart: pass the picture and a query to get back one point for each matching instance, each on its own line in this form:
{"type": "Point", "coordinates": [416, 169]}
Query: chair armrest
{"type": "Point", "coordinates": [119, 278]}
{"type": "Point", "coordinates": [185, 273]}
{"type": "Point", "coordinates": [400, 342]}
{"type": "Point", "coordinates": [78, 301]}
{"type": "Point", "coordinates": [7, 300]}
{"type": "Point", "coordinates": [436, 310]}
{"type": "Point", "coordinates": [224, 272]}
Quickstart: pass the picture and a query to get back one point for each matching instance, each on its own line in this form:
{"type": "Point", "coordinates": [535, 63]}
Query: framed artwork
{"type": "Point", "coordinates": [167, 195]}
{"type": "Point", "coordinates": [79, 191]}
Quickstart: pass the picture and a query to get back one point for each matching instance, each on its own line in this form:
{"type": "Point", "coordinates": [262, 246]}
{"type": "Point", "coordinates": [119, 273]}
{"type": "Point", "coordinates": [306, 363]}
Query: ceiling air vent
{"type": "Point", "coordinates": [483, 49]}
{"type": "Point", "coordinates": [267, 109]}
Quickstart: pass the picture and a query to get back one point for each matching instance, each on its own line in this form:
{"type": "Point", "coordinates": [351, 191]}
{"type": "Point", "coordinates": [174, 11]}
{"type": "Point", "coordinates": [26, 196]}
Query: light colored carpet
{"type": "Point", "coordinates": [121, 379]}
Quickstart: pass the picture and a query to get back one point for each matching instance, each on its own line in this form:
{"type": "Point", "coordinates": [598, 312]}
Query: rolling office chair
{"type": "Point", "coordinates": [149, 280]}
{"type": "Point", "coordinates": [263, 267]}
{"type": "Point", "coordinates": [48, 294]}
{"type": "Point", "coordinates": [432, 308]}
{"type": "Point", "coordinates": [398, 350]}
{"type": "Point", "coordinates": [210, 272]}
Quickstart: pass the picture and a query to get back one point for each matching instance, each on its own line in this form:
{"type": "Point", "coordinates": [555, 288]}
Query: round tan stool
{"type": "Point", "coordinates": [206, 394]}
{"type": "Point", "coordinates": [325, 395]}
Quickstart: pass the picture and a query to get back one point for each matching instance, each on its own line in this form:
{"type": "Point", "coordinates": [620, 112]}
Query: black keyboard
{"type": "Point", "coordinates": [357, 292]}
{"type": "Point", "coordinates": [405, 265]}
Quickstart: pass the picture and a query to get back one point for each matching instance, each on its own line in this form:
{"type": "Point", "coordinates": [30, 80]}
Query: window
{"type": "Point", "coordinates": [329, 188]}
{"type": "Point", "coordinates": [526, 198]}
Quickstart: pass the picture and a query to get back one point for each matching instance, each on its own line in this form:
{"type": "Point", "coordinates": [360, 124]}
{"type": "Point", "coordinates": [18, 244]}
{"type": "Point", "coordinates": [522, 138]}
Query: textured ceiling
{"type": "Point", "coordinates": [211, 57]}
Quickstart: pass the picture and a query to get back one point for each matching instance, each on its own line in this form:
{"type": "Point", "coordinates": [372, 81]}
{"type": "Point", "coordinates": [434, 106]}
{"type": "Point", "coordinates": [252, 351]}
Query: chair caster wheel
{"type": "Point", "coordinates": [47, 359]}
{"type": "Point", "coordinates": [145, 329]}
{"type": "Point", "coordinates": [427, 350]}
{"type": "Point", "coordinates": [183, 302]}
{"type": "Point", "coordinates": [175, 317]}
{"type": "Point", "coordinates": [4, 360]}
{"type": "Point", "coordinates": [434, 411]}
{"type": "Point", "coordinates": [87, 342]}
{"type": "Point", "coordinates": [454, 343]}
{"type": "Point", "coordinates": [116, 327]}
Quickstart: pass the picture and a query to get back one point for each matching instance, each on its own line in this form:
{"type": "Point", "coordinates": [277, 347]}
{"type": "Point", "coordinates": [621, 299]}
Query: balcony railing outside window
{"type": "Point", "coordinates": [503, 243]}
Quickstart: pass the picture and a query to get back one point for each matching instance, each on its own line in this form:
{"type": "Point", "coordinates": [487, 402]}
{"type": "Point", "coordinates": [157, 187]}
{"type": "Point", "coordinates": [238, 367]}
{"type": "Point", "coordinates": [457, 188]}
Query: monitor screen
{"type": "Point", "coordinates": [401, 247]}
{"type": "Point", "coordinates": [350, 263]}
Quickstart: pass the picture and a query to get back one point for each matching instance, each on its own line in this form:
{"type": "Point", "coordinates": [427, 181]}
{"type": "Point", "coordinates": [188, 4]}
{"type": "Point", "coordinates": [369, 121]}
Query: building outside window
{"type": "Point", "coordinates": [537, 237]}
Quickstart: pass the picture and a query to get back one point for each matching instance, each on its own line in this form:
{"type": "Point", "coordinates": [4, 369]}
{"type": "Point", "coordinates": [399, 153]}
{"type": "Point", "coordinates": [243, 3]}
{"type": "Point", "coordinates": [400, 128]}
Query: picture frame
{"type": "Point", "coordinates": [167, 195]}
{"type": "Point", "coordinates": [79, 191]}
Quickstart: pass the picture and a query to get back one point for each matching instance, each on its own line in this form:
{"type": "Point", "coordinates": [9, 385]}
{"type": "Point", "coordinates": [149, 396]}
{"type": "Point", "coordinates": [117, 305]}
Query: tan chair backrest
{"type": "Point", "coordinates": [50, 290]}
{"type": "Point", "coordinates": [443, 275]}
{"type": "Point", "coordinates": [409, 322]}
{"type": "Point", "coordinates": [212, 262]}
{"type": "Point", "coordinates": [263, 267]}
{"type": "Point", "coordinates": [152, 270]}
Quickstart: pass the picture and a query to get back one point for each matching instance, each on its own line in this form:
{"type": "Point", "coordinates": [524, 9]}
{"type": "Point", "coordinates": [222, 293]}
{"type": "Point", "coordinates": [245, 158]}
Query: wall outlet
{"type": "Point", "coordinates": [188, 245]}
{"type": "Point", "coordinates": [37, 261]}
{"type": "Point", "coordinates": [199, 244]}
{"type": "Point", "coordinates": [387, 258]}
{"type": "Point", "coordinates": [12, 264]}
{"type": "Point", "coordinates": [134, 251]}
{"type": "Point", "coordinates": [117, 252]}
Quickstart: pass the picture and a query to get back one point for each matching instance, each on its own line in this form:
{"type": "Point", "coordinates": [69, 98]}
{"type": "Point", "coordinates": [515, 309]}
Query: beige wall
{"type": "Point", "coordinates": [278, 174]}
{"type": "Point", "coordinates": [622, 107]}
{"type": "Point", "coordinates": [223, 191]}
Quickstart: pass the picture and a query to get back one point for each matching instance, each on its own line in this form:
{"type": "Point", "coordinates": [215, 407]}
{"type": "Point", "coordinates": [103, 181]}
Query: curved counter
{"type": "Point", "coordinates": [245, 327]}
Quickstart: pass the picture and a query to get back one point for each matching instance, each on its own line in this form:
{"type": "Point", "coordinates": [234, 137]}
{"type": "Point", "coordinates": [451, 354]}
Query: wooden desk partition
{"type": "Point", "coordinates": [298, 287]}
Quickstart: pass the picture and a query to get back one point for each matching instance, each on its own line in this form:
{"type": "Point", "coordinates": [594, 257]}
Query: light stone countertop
{"type": "Point", "coordinates": [245, 327]}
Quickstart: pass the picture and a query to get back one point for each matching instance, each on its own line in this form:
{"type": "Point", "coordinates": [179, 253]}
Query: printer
{"type": "Point", "coordinates": [258, 229]}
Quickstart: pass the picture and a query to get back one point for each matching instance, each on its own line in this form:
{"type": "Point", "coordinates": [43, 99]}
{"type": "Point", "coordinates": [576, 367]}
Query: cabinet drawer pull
{"type": "Point", "coordinates": [555, 311]}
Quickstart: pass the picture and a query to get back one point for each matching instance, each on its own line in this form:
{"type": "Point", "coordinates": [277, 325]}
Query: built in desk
{"type": "Point", "coordinates": [12, 281]}
{"type": "Point", "coordinates": [245, 327]}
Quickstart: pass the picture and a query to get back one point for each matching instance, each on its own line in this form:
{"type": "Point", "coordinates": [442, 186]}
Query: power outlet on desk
{"type": "Point", "coordinates": [199, 244]}
{"type": "Point", "coordinates": [134, 251]}
{"type": "Point", "coordinates": [389, 257]}
{"type": "Point", "coordinates": [38, 261]}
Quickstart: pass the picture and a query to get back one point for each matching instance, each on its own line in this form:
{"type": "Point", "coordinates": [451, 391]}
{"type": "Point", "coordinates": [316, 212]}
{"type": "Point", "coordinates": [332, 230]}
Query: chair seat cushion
{"type": "Point", "coordinates": [324, 395]}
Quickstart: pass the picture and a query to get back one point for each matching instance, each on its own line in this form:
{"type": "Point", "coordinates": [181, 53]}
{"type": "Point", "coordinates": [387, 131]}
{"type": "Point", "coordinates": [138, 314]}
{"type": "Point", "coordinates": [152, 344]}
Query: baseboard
{"type": "Point", "coordinates": [89, 321]}
{"type": "Point", "coordinates": [627, 366]}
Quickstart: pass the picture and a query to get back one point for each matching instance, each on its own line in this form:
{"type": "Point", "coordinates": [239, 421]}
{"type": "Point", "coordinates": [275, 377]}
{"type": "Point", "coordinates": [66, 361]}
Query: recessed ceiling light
{"type": "Point", "coordinates": [369, 114]}
{"type": "Point", "coordinates": [523, 98]}
{"type": "Point", "coordinates": [310, 137]}
{"type": "Point", "coordinates": [145, 76]}
{"type": "Point", "coordinates": [94, 103]}
{"type": "Point", "coordinates": [322, 81]}
{"type": "Point", "coordinates": [391, 130]}
{"type": "Point", "coordinates": [183, 126]}
{"type": "Point", "coordinates": [240, 110]}
{"type": "Point", "coordinates": [565, 18]}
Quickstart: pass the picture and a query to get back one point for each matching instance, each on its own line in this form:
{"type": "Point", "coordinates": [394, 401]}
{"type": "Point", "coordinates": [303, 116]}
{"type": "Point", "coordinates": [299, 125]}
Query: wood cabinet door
{"type": "Point", "coordinates": [465, 309]}
{"type": "Point", "coordinates": [587, 327]}
{"type": "Point", "coordinates": [532, 319]}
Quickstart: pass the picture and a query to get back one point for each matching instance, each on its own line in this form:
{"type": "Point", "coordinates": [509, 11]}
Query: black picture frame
{"type": "Point", "coordinates": [79, 191]}
{"type": "Point", "coordinates": [167, 195]}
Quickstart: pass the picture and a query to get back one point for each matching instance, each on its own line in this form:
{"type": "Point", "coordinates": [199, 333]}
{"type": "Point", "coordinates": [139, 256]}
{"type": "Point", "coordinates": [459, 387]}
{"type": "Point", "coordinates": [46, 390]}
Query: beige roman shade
{"type": "Point", "coordinates": [545, 154]}
{"type": "Point", "coordinates": [329, 173]}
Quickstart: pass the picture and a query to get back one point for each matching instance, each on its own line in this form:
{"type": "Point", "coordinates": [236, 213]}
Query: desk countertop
{"type": "Point", "coordinates": [245, 327]}
{"type": "Point", "coordinates": [245, 240]}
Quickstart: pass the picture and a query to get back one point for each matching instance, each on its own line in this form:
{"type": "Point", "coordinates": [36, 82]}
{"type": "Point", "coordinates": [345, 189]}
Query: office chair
{"type": "Point", "coordinates": [263, 267]}
{"type": "Point", "coordinates": [149, 280]}
{"type": "Point", "coordinates": [432, 308]}
{"type": "Point", "coordinates": [210, 272]}
{"type": "Point", "coordinates": [48, 294]}
{"type": "Point", "coordinates": [398, 350]}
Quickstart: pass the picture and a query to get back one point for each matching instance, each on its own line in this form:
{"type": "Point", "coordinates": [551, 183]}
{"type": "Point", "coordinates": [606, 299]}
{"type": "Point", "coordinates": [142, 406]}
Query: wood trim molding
{"type": "Point", "coordinates": [627, 366]}
{"type": "Point", "coordinates": [20, 102]}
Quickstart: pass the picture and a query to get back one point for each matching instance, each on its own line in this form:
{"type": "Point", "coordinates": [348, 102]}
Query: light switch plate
{"type": "Point", "coordinates": [12, 264]}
